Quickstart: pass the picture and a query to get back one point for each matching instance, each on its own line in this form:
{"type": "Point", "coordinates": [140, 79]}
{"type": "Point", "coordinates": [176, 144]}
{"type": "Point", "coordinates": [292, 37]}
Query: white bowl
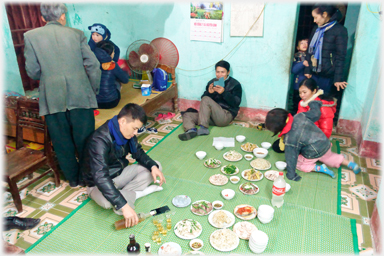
{"type": "Point", "coordinates": [266, 145]}
{"type": "Point", "coordinates": [259, 236]}
{"type": "Point", "coordinates": [264, 208]}
{"type": "Point", "coordinates": [287, 187]}
{"type": "Point", "coordinates": [260, 152]}
{"type": "Point", "coordinates": [234, 179]}
{"type": "Point", "coordinates": [248, 157]}
{"type": "Point", "coordinates": [219, 145]}
{"type": "Point", "coordinates": [281, 165]}
{"type": "Point", "coordinates": [240, 138]}
{"type": "Point", "coordinates": [217, 202]}
{"type": "Point", "coordinates": [228, 193]}
{"type": "Point", "coordinates": [196, 240]}
{"type": "Point", "coordinates": [201, 154]}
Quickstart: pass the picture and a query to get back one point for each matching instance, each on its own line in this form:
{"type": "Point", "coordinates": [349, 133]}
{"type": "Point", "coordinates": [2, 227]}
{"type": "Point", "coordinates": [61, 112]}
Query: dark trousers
{"type": "Point", "coordinates": [111, 104]}
{"type": "Point", "coordinates": [69, 131]}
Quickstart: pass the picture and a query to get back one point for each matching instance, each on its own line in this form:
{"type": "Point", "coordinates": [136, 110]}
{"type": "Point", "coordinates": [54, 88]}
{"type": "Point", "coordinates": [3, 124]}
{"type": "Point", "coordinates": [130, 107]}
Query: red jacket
{"type": "Point", "coordinates": [325, 123]}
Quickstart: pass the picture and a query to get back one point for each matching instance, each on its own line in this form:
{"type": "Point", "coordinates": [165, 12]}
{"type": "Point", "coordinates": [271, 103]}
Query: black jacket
{"type": "Point", "coordinates": [305, 138]}
{"type": "Point", "coordinates": [109, 78]}
{"type": "Point", "coordinates": [230, 99]}
{"type": "Point", "coordinates": [333, 53]}
{"type": "Point", "coordinates": [102, 162]}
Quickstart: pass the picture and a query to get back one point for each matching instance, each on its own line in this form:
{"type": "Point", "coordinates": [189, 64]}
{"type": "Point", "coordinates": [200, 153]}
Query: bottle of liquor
{"type": "Point", "coordinates": [133, 247]}
{"type": "Point", "coordinates": [148, 248]}
{"type": "Point", "coordinates": [120, 224]}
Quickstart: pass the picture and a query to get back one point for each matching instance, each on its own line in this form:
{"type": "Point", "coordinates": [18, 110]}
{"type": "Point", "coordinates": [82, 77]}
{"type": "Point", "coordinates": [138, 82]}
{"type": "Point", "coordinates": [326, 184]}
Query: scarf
{"type": "Point", "coordinates": [285, 130]}
{"type": "Point", "coordinates": [114, 128]}
{"type": "Point", "coordinates": [316, 46]}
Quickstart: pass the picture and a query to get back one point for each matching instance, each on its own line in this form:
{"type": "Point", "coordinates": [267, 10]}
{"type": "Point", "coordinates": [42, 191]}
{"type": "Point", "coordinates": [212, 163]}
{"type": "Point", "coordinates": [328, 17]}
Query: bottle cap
{"type": "Point", "coordinates": [131, 236]}
{"type": "Point", "coordinates": [147, 245]}
{"type": "Point", "coordinates": [281, 173]}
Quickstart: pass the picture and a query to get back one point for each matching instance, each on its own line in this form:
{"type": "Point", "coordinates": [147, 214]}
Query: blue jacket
{"type": "Point", "coordinates": [298, 69]}
{"type": "Point", "coordinates": [305, 138]}
{"type": "Point", "coordinates": [109, 78]}
{"type": "Point", "coordinates": [92, 45]}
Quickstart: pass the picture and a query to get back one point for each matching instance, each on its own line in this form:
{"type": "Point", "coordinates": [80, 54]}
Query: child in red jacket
{"type": "Point", "coordinates": [307, 88]}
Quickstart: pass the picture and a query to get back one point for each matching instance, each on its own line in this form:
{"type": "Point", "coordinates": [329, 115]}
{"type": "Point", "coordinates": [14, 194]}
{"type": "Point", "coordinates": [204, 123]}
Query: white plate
{"type": "Point", "coordinates": [225, 250]}
{"type": "Point", "coordinates": [226, 158]}
{"type": "Point", "coordinates": [193, 253]}
{"type": "Point", "coordinates": [250, 217]}
{"type": "Point", "coordinates": [216, 184]}
{"type": "Point", "coordinates": [185, 237]}
{"type": "Point", "coordinates": [205, 213]}
{"type": "Point", "coordinates": [246, 234]}
{"type": "Point", "coordinates": [229, 214]}
{"type": "Point", "coordinates": [258, 168]}
{"type": "Point", "coordinates": [186, 201]}
{"type": "Point", "coordinates": [236, 172]}
{"type": "Point", "coordinates": [172, 244]}
{"type": "Point", "coordinates": [241, 147]}
{"type": "Point", "coordinates": [271, 172]}
{"type": "Point", "coordinates": [254, 185]}
{"type": "Point", "coordinates": [244, 177]}
{"type": "Point", "coordinates": [212, 167]}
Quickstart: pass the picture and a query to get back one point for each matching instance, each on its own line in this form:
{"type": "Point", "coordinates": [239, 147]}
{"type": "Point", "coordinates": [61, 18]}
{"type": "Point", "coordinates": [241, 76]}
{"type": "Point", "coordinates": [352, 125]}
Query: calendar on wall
{"type": "Point", "coordinates": [206, 20]}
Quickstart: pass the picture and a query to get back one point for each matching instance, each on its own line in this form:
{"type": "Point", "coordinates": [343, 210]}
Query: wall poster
{"type": "Point", "coordinates": [243, 15]}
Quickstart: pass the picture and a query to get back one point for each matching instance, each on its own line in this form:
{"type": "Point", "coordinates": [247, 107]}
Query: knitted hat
{"type": "Point", "coordinates": [101, 30]}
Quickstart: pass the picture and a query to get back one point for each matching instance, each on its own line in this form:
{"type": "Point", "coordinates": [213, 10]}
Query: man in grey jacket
{"type": "Point", "coordinates": [69, 75]}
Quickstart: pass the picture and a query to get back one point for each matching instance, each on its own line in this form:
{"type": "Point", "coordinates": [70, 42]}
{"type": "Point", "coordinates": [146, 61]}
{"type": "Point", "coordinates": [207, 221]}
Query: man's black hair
{"type": "Point", "coordinates": [107, 46]}
{"type": "Point", "coordinates": [134, 112]}
{"type": "Point", "coordinates": [223, 64]}
{"type": "Point", "coordinates": [276, 120]}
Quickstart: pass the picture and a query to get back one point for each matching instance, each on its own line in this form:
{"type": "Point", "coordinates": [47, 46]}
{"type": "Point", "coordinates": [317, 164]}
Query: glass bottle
{"type": "Point", "coordinates": [120, 224]}
{"type": "Point", "coordinates": [133, 247]}
{"type": "Point", "coordinates": [148, 248]}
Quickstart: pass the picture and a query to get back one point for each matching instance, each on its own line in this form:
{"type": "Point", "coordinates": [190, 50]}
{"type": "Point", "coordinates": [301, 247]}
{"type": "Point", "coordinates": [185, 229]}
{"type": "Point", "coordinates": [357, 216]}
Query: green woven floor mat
{"type": "Point", "coordinates": [315, 190]}
{"type": "Point", "coordinates": [294, 229]}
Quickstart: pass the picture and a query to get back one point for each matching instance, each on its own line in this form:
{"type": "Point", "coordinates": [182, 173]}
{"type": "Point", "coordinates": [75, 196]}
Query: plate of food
{"type": "Point", "coordinates": [245, 212]}
{"type": "Point", "coordinates": [212, 163]}
{"type": "Point", "coordinates": [232, 156]}
{"type": "Point", "coordinates": [248, 147]}
{"type": "Point", "coordinates": [271, 175]}
{"type": "Point", "coordinates": [181, 201]}
{"type": "Point", "coordinates": [261, 164]}
{"type": "Point", "coordinates": [170, 248]}
{"type": "Point", "coordinates": [230, 169]}
{"type": "Point", "coordinates": [244, 229]}
{"type": "Point", "coordinates": [252, 175]}
{"type": "Point", "coordinates": [188, 229]}
{"type": "Point", "coordinates": [224, 240]}
{"type": "Point", "coordinates": [221, 219]}
{"type": "Point", "coordinates": [218, 179]}
{"type": "Point", "coordinates": [201, 207]}
{"type": "Point", "coordinates": [194, 253]}
{"type": "Point", "coordinates": [249, 188]}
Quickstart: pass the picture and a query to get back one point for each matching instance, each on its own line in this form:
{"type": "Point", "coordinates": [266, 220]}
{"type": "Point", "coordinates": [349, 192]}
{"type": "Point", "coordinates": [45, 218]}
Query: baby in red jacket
{"type": "Point", "coordinates": [307, 88]}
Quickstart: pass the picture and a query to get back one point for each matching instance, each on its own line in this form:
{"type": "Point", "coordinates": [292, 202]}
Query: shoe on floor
{"type": "Point", "coordinates": [73, 184]}
{"type": "Point", "coordinates": [20, 223]}
{"type": "Point", "coordinates": [152, 130]}
{"type": "Point", "coordinates": [188, 135]}
{"type": "Point", "coordinates": [203, 131]}
{"type": "Point", "coordinates": [169, 115]}
{"type": "Point", "coordinates": [141, 130]}
{"type": "Point", "coordinates": [159, 117]}
{"type": "Point", "coordinates": [81, 183]}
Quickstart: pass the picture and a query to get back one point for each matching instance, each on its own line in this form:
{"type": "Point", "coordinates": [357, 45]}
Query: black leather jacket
{"type": "Point", "coordinates": [305, 138]}
{"type": "Point", "coordinates": [230, 99]}
{"type": "Point", "coordinates": [102, 162]}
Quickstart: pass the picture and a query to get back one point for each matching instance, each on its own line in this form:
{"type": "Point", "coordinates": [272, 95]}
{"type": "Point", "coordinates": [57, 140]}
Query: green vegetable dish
{"type": "Point", "coordinates": [212, 163]}
{"type": "Point", "coordinates": [229, 169]}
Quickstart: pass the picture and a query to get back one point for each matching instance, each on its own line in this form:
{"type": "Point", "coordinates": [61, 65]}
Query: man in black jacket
{"type": "Point", "coordinates": [219, 105]}
{"type": "Point", "coordinates": [110, 181]}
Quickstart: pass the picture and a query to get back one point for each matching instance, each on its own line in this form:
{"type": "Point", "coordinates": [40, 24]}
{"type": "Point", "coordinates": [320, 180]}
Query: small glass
{"type": "Point", "coordinates": [169, 226]}
{"type": "Point", "coordinates": [158, 240]}
{"type": "Point", "coordinates": [154, 238]}
{"type": "Point", "coordinates": [156, 233]}
{"type": "Point", "coordinates": [160, 228]}
{"type": "Point", "coordinates": [164, 232]}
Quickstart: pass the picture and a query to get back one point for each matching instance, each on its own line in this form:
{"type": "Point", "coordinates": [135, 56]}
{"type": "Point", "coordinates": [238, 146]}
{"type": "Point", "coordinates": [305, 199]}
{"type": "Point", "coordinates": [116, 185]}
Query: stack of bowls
{"type": "Point", "coordinates": [258, 241]}
{"type": "Point", "coordinates": [265, 213]}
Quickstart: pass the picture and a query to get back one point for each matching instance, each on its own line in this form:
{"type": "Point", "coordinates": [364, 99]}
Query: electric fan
{"type": "Point", "coordinates": [142, 57]}
{"type": "Point", "coordinates": [167, 51]}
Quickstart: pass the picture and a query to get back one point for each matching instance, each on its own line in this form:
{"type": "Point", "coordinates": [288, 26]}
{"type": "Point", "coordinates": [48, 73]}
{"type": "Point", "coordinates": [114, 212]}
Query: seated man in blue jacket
{"type": "Point", "coordinates": [110, 181]}
{"type": "Point", "coordinates": [219, 105]}
{"type": "Point", "coordinates": [111, 76]}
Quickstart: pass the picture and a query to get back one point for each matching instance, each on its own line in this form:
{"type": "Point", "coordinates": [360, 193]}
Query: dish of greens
{"type": "Point", "coordinates": [212, 163]}
{"type": "Point", "coordinates": [201, 207]}
{"type": "Point", "coordinates": [230, 169]}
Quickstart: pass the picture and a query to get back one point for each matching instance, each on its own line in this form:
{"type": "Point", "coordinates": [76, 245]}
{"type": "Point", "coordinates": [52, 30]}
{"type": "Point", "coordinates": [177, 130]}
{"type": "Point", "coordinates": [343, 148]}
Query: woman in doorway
{"type": "Point", "coordinates": [327, 50]}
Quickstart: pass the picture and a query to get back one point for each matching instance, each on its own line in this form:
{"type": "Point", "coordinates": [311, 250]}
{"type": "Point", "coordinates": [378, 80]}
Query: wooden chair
{"type": "Point", "coordinates": [25, 161]}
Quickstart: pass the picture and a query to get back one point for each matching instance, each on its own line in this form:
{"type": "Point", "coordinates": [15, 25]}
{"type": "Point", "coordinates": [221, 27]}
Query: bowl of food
{"type": "Point", "coordinates": [281, 165]}
{"type": "Point", "coordinates": [196, 244]}
{"type": "Point", "coordinates": [240, 138]}
{"type": "Point", "coordinates": [260, 152]}
{"type": "Point", "coordinates": [266, 145]}
{"type": "Point", "coordinates": [201, 154]}
{"type": "Point", "coordinates": [234, 179]}
{"type": "Point", "coordinates": [248, 157]}
{"type": "Point", "coordinates": [219, 145]}
{"type": "Point", "coordinates": [217, 205]}
{"type": "Point", "coordinates": [228, 193]}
